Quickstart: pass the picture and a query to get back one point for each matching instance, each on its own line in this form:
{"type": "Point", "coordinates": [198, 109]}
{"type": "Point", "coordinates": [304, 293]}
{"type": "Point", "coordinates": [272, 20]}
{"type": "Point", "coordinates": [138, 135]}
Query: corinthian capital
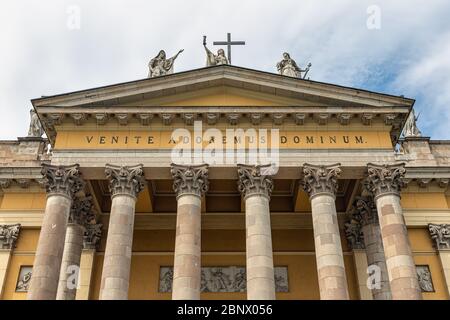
{"type": "Point", "coordinates": [385, 179]}
{"type": "Point", "coordinates": [64, 180]}
{"type": "Point", "coordinates": [253, 181]}
{"type": "Point", "coordinates": [365, 210]}
{"type": "Point", "coordinates": [440, 233]}
{"type": "Point", "coordinates": [81, 211]}
{"type": "Point", "coordinates": [190, 179]}
{"type": "Point", "coordinates": [320, 179]}
{"type": "Point", "coordinates": [9, 235]}
{"type": "Point", "coordinates": [125, 180]}
{"type": "Point", "coordinates": [354, 234]}
{"type": "Point", "coordinates": [92, 235]}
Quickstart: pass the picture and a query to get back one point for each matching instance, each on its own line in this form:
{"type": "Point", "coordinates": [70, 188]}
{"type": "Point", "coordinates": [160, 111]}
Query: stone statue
{"type": "Point", "coordinates": [288, 67]}
{"type": "Point", "coordinates": [411, 129]}
{"type": "Point", "coordinates": [160, 66]}
{"type": "Point", "coordinates": [213, 59]}
{"type": "Point", "coordinates": [424, 277]}
{"type": "Point", "coordinates": [35, 129]}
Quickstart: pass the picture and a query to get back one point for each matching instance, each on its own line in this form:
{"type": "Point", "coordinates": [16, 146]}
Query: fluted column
{"type": "Point", "coordinates": [368, 218]}
{"type": "Point", "coordinates": [440, 234]}
{"type": "Point", "coordinates": [125, 183]}
{"type": "Point", "coordinates": [61, 183]}
{"type": "Point", "coordinates": [80, 214]}
{"type": "Point", "coordinates": [8, 237]}
{"type": "Point", "coordinates": [320, 182]}
{"type": "Point", "coordinates": [256, 188]}
{"type": "Point", "coordinates": [385, 183]}
{"type": "Point", "coordinates": [190, 183]}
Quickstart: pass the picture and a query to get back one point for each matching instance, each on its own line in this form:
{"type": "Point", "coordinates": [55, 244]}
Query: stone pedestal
{"type": "Point", "coordinates": [190, 183]}
{"type": "Point", "coordinates": [62, 182]}
{"type": "Point", "coordinates": [256, 188]}
{"type": "Point", "coordinates": [320, 182]}
{"type": "Point", "coordinates": [125, 184]}
{"type": "Point", "coordinates": [385, 183]}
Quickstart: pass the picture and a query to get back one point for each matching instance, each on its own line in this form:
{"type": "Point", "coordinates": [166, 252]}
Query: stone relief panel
{"type": "Point", "coordinates": [223, 279]}
{"type": "Point", "coordinates": [424, 276]}
{"type": "Point", "coordinates": [23, 281]}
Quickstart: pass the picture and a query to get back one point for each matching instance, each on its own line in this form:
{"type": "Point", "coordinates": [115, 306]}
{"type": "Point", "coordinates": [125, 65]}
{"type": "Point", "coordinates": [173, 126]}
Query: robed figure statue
{"type": "Point", "coordinates": [288, 67]}
{"type": "Point", "coordinates": [160, 66]}
{"type": "Point", "coordinates": [214, 59]}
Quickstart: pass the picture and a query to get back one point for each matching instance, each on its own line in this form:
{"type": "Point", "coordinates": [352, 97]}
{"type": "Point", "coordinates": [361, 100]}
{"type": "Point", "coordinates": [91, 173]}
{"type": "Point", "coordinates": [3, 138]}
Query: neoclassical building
{"type": "Point", "coordinates": [107, 206]}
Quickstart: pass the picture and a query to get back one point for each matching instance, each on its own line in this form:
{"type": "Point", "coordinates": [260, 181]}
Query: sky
{"type": "Point", "coordinates": [57, 46]}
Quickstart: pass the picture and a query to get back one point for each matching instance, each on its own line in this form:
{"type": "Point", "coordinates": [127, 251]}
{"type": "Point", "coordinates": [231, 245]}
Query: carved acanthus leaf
{"type": "Point", "coordinates": [128, 180]}
{"type": "Point", "coordinates": [320, 179]}
{"type": "Point", "coordinates": [81, 211]}
{"type": "Point", "coordinates": [9, 235]}
{"type": "Point", "coordinates": [440, 233]}
{"type": "Point", "coordinates": [190, 179]}
{"type": "Point", "coordinates": [384, 179]}
{"type": "Point", "coordinates": [64, 180]}
{"type": "Point", "coordinates": [254, 181]}
{"type": "Point", "coordinates": [92, 235]}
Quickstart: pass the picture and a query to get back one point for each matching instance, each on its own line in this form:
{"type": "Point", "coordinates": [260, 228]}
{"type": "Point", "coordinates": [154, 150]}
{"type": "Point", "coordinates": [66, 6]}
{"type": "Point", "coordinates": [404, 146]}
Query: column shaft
{"type": "Point", "coordinates": [187, 259]}
{"type": "Point", "coordinates": [399, 258]}
{"type": "Point", "coordinates": [260, 270]}
{"type": "Point", "coordinates": [117, 259]}
{"type": "Point", "coordinates": [375, 257]}
{"type": "Point", "coordinates": [329, 256]}
{"type": "Point", "coordinates": [68, 277]}
{"type": "Point", "coordinates": [5, 256]}
{"type": "Point", "coordinates": [86, 267]}
{"type": "Point", "coordinates": [49, 252]}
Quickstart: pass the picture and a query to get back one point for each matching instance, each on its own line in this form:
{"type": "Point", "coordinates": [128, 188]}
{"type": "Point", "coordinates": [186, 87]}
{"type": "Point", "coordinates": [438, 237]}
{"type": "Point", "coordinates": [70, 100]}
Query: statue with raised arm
{"type": "Point", "coordinates": [214, 59]}
{"type": "Point", "coordinates": [411, 129]}
{"type": "Point", "coordinates": [35, 129]}
{"type": "Point", "coordinates": [288, 67]}
{"type": "Point", "coordinates": [160, 66]}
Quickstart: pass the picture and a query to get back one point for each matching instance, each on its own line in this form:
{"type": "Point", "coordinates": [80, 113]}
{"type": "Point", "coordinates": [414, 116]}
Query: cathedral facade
{"type": "Point", "coordinates": [224, 183]}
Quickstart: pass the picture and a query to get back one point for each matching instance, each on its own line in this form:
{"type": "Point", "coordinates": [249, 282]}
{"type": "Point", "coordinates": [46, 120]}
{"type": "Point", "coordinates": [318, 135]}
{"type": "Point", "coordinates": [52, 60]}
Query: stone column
{"type": "Point", "coordinates": [256, 187]}
{"type": "Point", "coordinates": [440, 233]}
{"type": "Point", "coordinates": [8, 237]}
{"type": "Point", "coordinates": [91, 238]}
{"type": "Point", "coordinates": [320, 182]}
{"type": "Point", "coordinates": [385, 182]}
{"type": "Point", "coordinates": [61, 183]}
{"type": "Point", "coordinates": [190, 183]}
{"type": "Point", "coordinates": [125, 183]}
{"type": "Point", "coordinates": [80, 214]}
{"type": "Point", "coordinates": [365, 213]}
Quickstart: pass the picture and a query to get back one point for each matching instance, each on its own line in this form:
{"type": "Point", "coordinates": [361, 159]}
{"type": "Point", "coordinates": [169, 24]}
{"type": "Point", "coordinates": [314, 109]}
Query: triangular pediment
{"type": "Point", "coordinates": [224, 85]}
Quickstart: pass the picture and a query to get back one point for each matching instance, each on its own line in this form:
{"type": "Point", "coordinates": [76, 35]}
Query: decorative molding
{"type": "Point", "coordinates": [366, 210]}
{"type": "Point", "coordinates": [212, 118]}
{"type": "Point", "coordinates": [145, 118]}
{"type": "Point", "coordinates": [278, 118]}
{"type": "Point", "coordinates": [256, 118]}
{"type": "Point", "coordinates": [319, 179]}
{"type": "Point", "coordinates": [21, 182]}
{"type": "Point", "coordinates": [125, 180]}
{"type": "Point", "coordinates": [366, 119]}
{"type": "Point", "coordinates": [233, 118]}
{"type": "Point", "coordinates": [344, 118]}
{"type": "Point", "coordinates": [322, 118]}
{"type": "Point", "coordinates": [64, 180]}
{"type": "Point", "coordinates": [9, 235]}
{"type": "Point", "coordinates": [167, 118]}
{"type": "Point", "coordinates": [188, 118]}
{"type": "Point", "coordinates": [122, 118]}
{"type": "Point", "coordinates": [79, 118]}
{"type": "Point", "coordinates": [424, 277]}
{"type": "Point", "coordinates": [255, 180]}
{"type": "Point", "coordinates": [223, 279]}
{"type": "Point", "coordinates": [440, 234]}
{"type": "Point", "coordinates": [299, 118]}
{"type": "Point", "coordinates": [101, 118]}
{"type": "Point", "coordinates": [92, 235]}
{"type": "Point", "coordinates": [385, 179]}
{"type": "Point", "coordinates": [5, 183]}
{"type": "Point", "coordinates": [188, 179]}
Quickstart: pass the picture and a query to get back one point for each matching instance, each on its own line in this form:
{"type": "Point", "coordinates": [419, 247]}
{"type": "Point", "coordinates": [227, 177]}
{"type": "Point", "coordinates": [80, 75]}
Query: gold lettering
{"type": "Point", "coordinates": [359, 139]}
{"type": "Point", "coordinates": [310, 139]}
{"type": "Point", "coordinates": [115, 139]}
{"type": "Point", "coordinates": [102, 140]}
{"type": "Point", "coordinates": [150, 140]}
{"type": "Point", "coordinates": [346, 140]}
{"type": "Point", "coordinates": [333, 139]}
{"type": "Point", "coordinates": [89, 139]}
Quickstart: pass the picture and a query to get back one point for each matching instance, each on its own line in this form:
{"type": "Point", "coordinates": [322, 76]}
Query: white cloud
{"type": "Point", "coordinates": [41, 56]}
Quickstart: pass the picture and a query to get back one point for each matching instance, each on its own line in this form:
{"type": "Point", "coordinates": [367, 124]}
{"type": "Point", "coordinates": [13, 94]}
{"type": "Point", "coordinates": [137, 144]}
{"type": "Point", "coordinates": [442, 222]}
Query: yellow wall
{"type": "Point", "coordinates": [23, 201]}
{"type": "Point", "coordinates": [424, 200]}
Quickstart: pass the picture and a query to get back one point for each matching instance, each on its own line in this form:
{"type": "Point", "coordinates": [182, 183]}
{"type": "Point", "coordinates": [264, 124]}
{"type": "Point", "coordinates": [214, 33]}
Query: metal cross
{"type": "Point", "coordinates": [228, 43]}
